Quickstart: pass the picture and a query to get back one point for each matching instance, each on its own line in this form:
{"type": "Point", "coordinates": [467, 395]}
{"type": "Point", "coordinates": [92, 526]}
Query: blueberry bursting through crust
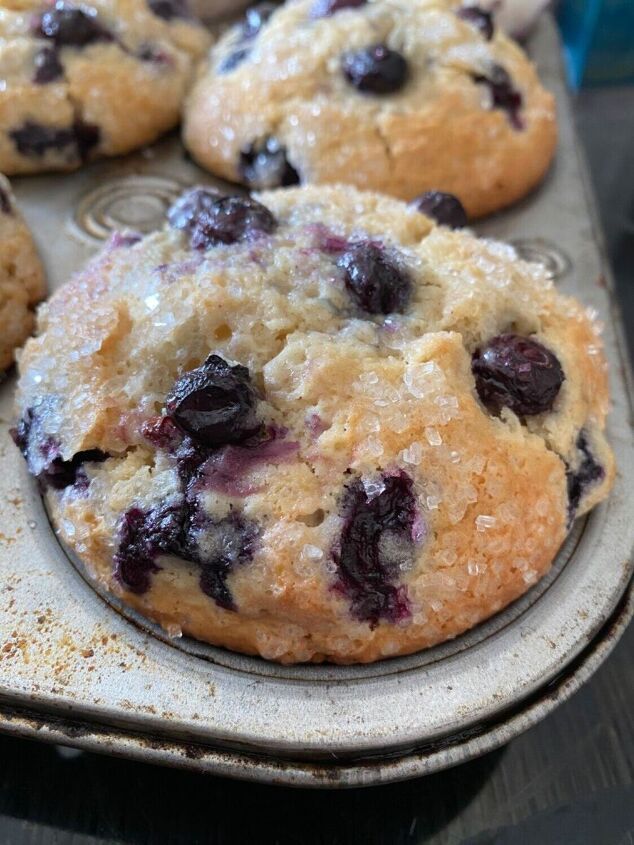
{"type": "Point", "coordinates": [214, 404]}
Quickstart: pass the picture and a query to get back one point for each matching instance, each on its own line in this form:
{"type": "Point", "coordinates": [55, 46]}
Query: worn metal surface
{"type": "Point", "coordinates": [66, 653]}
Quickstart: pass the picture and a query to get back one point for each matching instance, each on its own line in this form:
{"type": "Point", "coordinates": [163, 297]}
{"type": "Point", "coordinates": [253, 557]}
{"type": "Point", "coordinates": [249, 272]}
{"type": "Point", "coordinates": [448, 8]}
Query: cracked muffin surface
{"type": "Point", "coordinates": [397, 96]}
{"type": "Point", "coordinates": [22, 283]}
{"type": "Point", "coordinates": [313, 425]}
{"type": "Point", "coordinates": [83, 80]}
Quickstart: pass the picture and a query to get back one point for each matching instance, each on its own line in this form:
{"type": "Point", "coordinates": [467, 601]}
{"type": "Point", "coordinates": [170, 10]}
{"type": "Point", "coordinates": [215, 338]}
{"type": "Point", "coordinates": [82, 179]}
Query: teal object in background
{"type": "Point", "coordinates": [598, 40]}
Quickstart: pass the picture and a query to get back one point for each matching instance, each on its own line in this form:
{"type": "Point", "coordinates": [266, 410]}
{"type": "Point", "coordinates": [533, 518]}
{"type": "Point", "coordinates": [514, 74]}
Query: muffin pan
{"type": "Point", "coordinates": [79, 668]}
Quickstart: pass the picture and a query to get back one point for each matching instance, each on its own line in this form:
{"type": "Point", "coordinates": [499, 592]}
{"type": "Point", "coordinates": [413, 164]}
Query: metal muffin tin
{"type": "Point", "coordinates": [79, 668]}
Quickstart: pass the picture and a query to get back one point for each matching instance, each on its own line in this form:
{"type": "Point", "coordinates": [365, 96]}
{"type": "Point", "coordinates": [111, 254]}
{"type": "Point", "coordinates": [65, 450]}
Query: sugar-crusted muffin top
{"type": "Point", "coordinates": [361, 432]}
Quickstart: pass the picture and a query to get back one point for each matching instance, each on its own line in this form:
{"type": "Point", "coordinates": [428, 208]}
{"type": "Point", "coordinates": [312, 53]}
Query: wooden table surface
{"type": "Point", "coordinates": [567, 781]}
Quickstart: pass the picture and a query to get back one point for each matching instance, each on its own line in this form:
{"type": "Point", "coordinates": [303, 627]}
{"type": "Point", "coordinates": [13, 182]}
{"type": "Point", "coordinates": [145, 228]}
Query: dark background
{"type": "Point", "coordinates": [567, 781]}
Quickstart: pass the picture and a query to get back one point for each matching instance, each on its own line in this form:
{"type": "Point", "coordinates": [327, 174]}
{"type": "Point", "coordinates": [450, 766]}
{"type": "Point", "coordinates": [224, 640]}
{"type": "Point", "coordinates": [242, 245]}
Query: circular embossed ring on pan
{"type": "Point", "coordinates": [540, 251]}
{"type": "Point", "coordinates": [131, 202]}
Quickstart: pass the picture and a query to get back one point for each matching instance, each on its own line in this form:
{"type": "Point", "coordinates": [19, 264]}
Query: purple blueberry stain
{"type": "Point", "coordinates": [373, 280]}
{"type": "Point", "coordinates": [68, 25]}
{"type": "Point", "coordinates": [215, 404]}
{"type": "Point", "coordinates": [478, 18]}
{"type": "Point", "coordinates": [224, 471]}
{"type": "Point", "coordinates": [446, 209]}
{"type": "Point", "coordinates": [265, 165]}
{"type": "Point", "coordinates": [48, 67]}
{"type": "Point", "coordinates": [588, 473]}
{"type": "Point", "coordinates": [211, 220]}
{"type": "Point", "coordinates": [326, 8]}
{"type": "Point", "coordinates": [504, 94]}
{"type": "Point", "coordinates": [33, 140]}
{"type": "Point", "coordinates": [375, 70]}
{"type": "Point", "coordinates": [518, 373]}
{"type": "Point", "coordinates": [381, 528]}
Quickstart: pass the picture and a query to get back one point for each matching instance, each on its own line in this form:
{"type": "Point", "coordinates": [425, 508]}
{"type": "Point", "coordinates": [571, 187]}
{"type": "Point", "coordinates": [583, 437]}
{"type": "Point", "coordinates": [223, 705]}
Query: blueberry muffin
{"type": "Point", "coordinates": [90, 79]}
{"type": "Point", "coordinates": [398, 96]}
{"type": "Point", "coordinates": [21, 278]}
{"type": "Point", "coordinates": [314, 425]}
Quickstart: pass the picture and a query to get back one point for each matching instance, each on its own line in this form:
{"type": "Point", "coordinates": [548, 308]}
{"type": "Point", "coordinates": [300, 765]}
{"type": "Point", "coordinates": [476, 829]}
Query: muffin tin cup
{"type": "Point", "coordinates": [79, 667]}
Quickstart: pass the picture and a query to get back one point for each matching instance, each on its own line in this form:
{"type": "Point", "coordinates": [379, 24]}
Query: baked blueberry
{"type": "Point", "coordinates": [48, 67]}
{"type": "Point", "coordinates": [215, 404]}
{"type": "Point", "coordinates": [518, 373]}
{"type": "Point", "coordinates": [588, 473]}
{"type": "Point", "coordinates": [5, 202]}
{"type": "Point", "coordinates": [373, 280]}
{"type": "Point", "coordinates": [325, 8]}
{"type": "Point", "coordinates": [444, 208]}
{"type": "Point", "coordinates": [376, 543]}
{"type": "Point", "coordinates": [169, 9]}
{"type": "Point", "coordinates": [481, 19]}
{"type": "Point", "coordinates": [232, 60]}
{"type": "Point", "coordinates": [68, 25]}
{"type": "Point", "coordinates": [43, 453]}
{"type": "Point", "coordinates": [227, 543]}
{"type": "Point", "coordinates": [265, 165]}
{"type": "Point", "coordinates": [185, 212]}
{"type": "Point", "coordinates": [143, 535]}
{"type": "Point", "coordinates": [229, 220]}
{"type": "Point", "coordinates": [34, 140]}
{"type": "Point", "coordinates": [375, 69]}
{"type": "Point", "coordinates": [504, 94]}
{"type": "Point", "coordinates": [254, 20]}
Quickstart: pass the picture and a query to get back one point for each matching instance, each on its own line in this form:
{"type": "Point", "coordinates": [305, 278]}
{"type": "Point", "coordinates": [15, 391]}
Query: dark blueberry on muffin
{"type": "Point", "coordinates": [517, 373]}
{"type": "Point", "coordinates": [48, 67]}
{"type": "Point", "coordinates": [588, 473]}
{"type": "Point", "coordinates": [215, 404]}
{"type": "Point", "coordinates": [504, 94]}
{"type": "Point", "coordinates": [444, 208]}
{"type": "Point", "coordinates": [229, 220]}
{"type": "Point", "coordinates": [34, 140]}
{"type": "Point", "coordinates": [169, 9]}
{"type": "Point", "coordinates": [478, 18]}
{"type": "Point", "coordinates": [375, 70]}
{"type": "Point", "coordinates": [5, 202]}
{"type": "Point", "coordinates": [373, 280]}
{"type": "Point", "coordinates": [186, 211]}
{"type": "Point", "coordinates": [68, 25]}
{"type": "Point", "coordinates": [376, 544]}
{"type": "Point", "coordinates": [227, 543]}
{"type": "Point", "coordinates": [265, 165]}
